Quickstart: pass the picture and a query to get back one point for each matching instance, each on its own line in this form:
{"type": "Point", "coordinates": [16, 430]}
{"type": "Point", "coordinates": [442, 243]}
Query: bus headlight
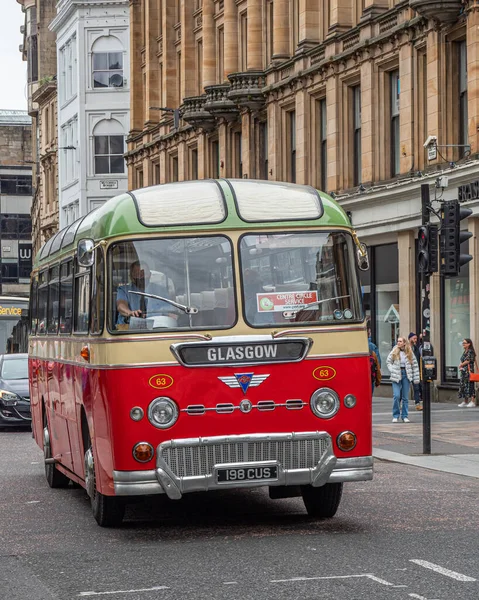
{"type": "Point", "coordinates": [163, 412]}
{"type": "Point", "coordinates": [324, 403]}
{"type": "Point", "coordinates": [350, 400]}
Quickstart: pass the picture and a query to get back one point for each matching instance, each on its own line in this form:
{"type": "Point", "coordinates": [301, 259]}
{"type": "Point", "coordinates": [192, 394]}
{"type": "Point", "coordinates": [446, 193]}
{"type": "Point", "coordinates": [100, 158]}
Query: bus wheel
{"type": "Point", "coordinates": [322, 502]}
{"type": "Point", "coordinates": [54, 477]}
{"type": "Point", "coordinates": [107, 510]}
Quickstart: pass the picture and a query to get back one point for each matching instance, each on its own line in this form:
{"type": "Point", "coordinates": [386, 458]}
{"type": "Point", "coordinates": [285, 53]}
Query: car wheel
{"type": "Point", "coordinates": [322, 502]}
{"type": "Point", "coordinates": [54, 477]}
{"type": "Point", "coordinates": [107, 510]}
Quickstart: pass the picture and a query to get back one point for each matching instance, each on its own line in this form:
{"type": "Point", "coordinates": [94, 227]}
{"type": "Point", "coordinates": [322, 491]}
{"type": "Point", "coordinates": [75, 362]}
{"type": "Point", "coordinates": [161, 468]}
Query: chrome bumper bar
{"type": "Point", "coordinates": [162, 480]}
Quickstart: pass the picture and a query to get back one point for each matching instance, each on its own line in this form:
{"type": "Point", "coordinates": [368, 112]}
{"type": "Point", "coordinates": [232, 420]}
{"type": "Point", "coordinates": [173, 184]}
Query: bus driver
{"type": "Point", "coordinates": [135, 305]}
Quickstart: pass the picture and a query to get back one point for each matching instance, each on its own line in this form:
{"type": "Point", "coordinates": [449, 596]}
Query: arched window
{"type": "Point", "coordinates": [109, 147]}
{"type": "Point", "coordinates": [107, 62]}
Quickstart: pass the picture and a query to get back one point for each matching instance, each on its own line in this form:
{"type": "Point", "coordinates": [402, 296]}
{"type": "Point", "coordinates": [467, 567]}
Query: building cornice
{"type": "Point", "coordinates": [65, 8]}
{"type": "Point", "coordinates": [45, 92]}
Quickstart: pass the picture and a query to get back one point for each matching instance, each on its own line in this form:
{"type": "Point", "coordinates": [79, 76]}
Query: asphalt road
{"type": "Point", "coordinates": [409, 534]}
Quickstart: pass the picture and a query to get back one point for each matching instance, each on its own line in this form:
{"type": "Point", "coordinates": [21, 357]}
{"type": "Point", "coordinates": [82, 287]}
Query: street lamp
{"type": "Point", "coordinates": [174, 111]}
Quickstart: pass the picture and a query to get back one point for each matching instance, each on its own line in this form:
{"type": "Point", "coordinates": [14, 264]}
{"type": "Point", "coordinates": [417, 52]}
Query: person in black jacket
{"type": "Point", "coordinates": [412, 337]}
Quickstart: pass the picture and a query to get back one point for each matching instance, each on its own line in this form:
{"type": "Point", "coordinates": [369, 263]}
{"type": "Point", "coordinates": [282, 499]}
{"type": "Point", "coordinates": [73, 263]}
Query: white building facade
{"type": "Point", "coordinates": [93, 103]}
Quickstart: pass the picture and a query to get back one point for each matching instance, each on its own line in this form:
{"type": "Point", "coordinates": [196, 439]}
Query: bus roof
{"type": "Point", "coordinates": [209, 205]}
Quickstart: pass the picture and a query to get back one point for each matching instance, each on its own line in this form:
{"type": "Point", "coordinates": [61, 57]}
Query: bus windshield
{"type": "Point", "coordinates": [174, 283]}
{"type": "Point", "coordinates": [308, 277]}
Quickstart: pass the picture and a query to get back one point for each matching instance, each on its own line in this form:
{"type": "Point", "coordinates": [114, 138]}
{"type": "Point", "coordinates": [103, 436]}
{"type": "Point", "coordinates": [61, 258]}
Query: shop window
{"type": "Point", "coordinates": [456, 319]}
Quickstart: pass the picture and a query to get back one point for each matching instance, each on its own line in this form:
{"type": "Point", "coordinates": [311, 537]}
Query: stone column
{"type": "Point", "coordinates": [248, 147]}
{"type": "Point", "coordinates": [406, 103]}
{"type": "Point", "coordinates": [434, 87]}
{"type": "Point", "coordinates": [225, 165]}
{"type": "Point", "coordinates": [231, 37]}
{"type": "Point", "coordinates": [136, 82]}
{"type": "Point", "coordinates": [202, 155]}
{"type": "Point", "coordinates": [187, 51]}
{"type": "Point", "coordinates": [309, 33]}
{"type": "Point", "coordinates": [407, 281]}
{"type": "Point", "coordinates": [255, 42]}
{"type": "Point", "coordinates": [472, 43]}
{"type": "Point", "coordinates": [372, 8]}
{"type": "Point", "coordinates": [333, 111]}
{"type": "Point", "coordinates": [303, 137]}
{"type": "Point", "coordinates": [182, 161]}
{"type": "Point", "coordinates": [340, 16]}
{"type": "Point", "coordinates": [209, 46]}
{"type": "Point", "coordinates": [169, 54]}
{"type": "Point", "coordinates": [281, 29]}
{"type": "Point", "coordinates": [274, 142]}
{"type": "Point", "coordinates": [368, 115]}
{"type": "Point", "coordinates": [164, 176]}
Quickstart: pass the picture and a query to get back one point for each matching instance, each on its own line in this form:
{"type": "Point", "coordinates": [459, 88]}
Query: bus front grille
{"type": "Point", "coordinates": [199, 458]}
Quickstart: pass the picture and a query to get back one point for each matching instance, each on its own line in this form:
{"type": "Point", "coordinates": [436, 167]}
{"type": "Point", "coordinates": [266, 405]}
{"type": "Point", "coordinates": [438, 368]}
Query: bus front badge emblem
{"type": "Point", "coordinates": [244, 380]}
{"type": "Point", "coordinates": [245, 406]}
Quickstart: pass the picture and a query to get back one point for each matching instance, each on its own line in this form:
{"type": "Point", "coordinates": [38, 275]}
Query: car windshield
{"type": "Point", "coordinates": [299, 277]}
{"type": "Point", "coordinates": [15, 368]}
{"type": "Point", "coordinates": [174, 283]}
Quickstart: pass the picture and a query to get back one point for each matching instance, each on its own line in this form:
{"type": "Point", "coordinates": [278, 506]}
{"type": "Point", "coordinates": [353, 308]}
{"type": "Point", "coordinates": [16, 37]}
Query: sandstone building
{"type": "Point", "coordinates": [340, 94]}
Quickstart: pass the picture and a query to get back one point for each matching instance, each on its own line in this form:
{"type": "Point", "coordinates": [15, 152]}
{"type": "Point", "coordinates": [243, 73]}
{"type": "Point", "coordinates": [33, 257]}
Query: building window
{"type": "Point", "coordinates": [422, 108]}
{"type": "Point", "coordinates": [215, 159]}
{"type": "Point", "coordinates": [199, 67]}
{"type": "Point", "coordinates": [243, 41]}
{"type": "Point", "coordinates": [269, 30]}
{"type": "Point", "coordinates": [107, 69]}
{"type": "Point", "coordinates": [109, 151]}
{"type": "Point", "coordinates": [139, 178]}
{"type": "Point", "coordinates": [174, 168]}
{"type": "Point", "coordinates": [323, 143]}
{"type": "Point", "coordinates": [193, 164]}
{"type": "Point", "coordinates": [179, 80]}
{"type": "Point", "coordinates": [238, 154]}
{"type": "Point", "coordinates": [292, 146]}
{"type": "Point", "coordinates": [16, 185]}
{"type": "Point", "coordinates": [356, 127]}
{"type": "Point", "coordinates": [294, 16]}
{"type": "Point", "coordinates": [463, 116]}
{"type": "Point", "coordinates": [68, 70]}
{"type": "Point", "coordinates": [394, 109]}
{"type": "Point", "coordinates": [263, 150]}
{"type": "Point", "coordinates": [220, 52]}
{"type": "Point", "coordinates": [156, 173]}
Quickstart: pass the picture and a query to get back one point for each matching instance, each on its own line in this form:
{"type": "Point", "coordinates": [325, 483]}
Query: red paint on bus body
{"type": "Point", "coordinates": [108, 396]}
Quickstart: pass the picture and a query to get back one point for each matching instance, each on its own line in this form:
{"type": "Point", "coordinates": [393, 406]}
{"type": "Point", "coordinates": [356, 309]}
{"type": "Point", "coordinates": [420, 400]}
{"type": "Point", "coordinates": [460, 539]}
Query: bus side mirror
{"type": "Point", "coordinates": [362, 257]}
{"type": "Point", "coordinates": [85, 256]}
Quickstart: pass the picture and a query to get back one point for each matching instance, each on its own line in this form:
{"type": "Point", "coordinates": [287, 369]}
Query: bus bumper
{"type": "Point", "coordinates": [299, 458]}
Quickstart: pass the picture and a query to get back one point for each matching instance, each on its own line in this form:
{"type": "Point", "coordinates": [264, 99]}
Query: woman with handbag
{"type": "Point", "coordinates": [467, 377]}
{"type": "Point", "coordinates": [402, 365]}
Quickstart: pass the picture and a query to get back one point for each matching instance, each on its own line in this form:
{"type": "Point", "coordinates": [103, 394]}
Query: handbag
{"type": "Point", "coordinates": [473, 376]}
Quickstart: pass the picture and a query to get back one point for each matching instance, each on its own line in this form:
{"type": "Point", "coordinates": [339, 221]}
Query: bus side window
{"type": "Point", "coordinates": [82, 302]}
{"type": "Point", "coordinates": [66, 296]}
{"type": "Point", "coordinates": [33, 306]}
{"type": "Point", "coordinates": [42, 302]}
{"type": "Point", "coordinates": [53, 300]}
{"type": "Point", "coordinates": [98, 293]}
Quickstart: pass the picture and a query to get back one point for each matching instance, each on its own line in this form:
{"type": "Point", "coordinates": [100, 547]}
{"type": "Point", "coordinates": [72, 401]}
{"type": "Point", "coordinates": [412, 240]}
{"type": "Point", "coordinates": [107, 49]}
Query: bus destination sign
{"type": "Point", "coordinates": [199, 354]}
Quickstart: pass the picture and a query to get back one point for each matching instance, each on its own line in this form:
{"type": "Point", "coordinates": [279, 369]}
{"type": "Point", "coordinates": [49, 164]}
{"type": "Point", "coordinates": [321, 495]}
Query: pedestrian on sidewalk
{"type": "Point", "coordinates": [402, 365]}
{"type": "Point", "coordinates": [466, 387]}
{"type": "Point", "coordinates": [412, 338]}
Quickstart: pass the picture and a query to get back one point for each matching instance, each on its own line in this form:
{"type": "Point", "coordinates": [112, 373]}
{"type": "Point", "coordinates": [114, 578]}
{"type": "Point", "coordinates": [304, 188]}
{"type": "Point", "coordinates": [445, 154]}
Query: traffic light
{"type": "Point", "coordinates": [427, 256]}
{"type": "Point", "coordinates": [452, 237]}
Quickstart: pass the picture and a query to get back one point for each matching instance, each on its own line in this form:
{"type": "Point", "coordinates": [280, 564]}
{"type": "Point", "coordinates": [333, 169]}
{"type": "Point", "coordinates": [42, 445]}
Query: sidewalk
{"type": "Point", "coordinates": [454, 438]}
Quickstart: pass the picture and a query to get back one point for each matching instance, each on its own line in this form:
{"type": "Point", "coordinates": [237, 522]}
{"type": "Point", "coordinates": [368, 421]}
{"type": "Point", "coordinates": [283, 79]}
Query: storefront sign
{"type": "Point", "coordinates": [469, 191]}
{"type": "Point", "coordinates": [285, 301]}
{"type": "Point", "coordinates": [109, 184]}
{"type": "Point", "coordinates": [25, 253]}
{"type": "Point", "coordinates": [10, 311]}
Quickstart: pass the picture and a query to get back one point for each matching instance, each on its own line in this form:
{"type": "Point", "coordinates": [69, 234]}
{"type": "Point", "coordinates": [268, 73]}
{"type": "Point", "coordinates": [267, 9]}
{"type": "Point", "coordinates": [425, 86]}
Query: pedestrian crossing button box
{"type": "Point", "coordinates": [429, 368]}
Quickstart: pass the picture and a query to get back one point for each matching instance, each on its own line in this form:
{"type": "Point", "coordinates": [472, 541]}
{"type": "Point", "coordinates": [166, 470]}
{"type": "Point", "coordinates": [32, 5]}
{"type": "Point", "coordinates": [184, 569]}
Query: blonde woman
{"type": "Point", "coordinates": [402, 365]}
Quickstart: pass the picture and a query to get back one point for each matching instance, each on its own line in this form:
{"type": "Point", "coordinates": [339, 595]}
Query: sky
{"type": "Point", "coordinates": [13, 71]}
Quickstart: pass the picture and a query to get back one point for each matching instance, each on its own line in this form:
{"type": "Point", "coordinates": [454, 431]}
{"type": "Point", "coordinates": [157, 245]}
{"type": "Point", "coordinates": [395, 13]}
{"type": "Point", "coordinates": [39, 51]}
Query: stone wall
{"type": "Point", "coordinates": [15, 145]}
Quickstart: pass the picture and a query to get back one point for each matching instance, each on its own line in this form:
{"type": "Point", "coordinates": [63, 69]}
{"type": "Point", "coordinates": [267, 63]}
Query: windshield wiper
{"type": "Point", "coordinates": [189, 310]}
{"type": "Point", "coordinates": [292, 313]}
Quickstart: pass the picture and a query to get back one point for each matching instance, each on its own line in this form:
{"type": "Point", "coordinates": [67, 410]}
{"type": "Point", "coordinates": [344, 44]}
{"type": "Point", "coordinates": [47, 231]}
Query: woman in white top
{"type": "Point", "coordinates": [402, 365]}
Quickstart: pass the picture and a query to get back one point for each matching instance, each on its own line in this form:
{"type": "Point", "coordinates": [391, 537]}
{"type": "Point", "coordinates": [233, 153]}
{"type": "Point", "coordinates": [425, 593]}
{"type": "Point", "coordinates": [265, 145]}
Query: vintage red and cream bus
{"type": "Point", "coordinates": [200, 336]}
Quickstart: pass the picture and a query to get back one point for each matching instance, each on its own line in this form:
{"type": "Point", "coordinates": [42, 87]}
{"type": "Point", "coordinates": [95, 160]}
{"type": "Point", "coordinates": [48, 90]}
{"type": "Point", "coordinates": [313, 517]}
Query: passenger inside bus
{"type": "Point", "coordinates": [134, 305]}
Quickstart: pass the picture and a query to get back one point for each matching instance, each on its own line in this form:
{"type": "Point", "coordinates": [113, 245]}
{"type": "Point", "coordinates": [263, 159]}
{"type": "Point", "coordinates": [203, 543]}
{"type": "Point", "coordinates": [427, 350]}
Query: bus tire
{"type": "Point", "coordinates": [322, 502]}
{"type": "Point", "coordinates": [54, 477]}
{"type": "Point", "coordinates": [108, 511]}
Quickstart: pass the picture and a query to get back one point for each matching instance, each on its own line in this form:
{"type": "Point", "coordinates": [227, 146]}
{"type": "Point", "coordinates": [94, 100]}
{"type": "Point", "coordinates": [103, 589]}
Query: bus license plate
{"type": "Point", "coordinates": [246, 474]}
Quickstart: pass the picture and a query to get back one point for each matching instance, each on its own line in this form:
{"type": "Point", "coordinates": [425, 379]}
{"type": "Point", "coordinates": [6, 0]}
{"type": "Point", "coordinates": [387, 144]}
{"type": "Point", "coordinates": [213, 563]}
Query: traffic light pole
{"type": "Point", "coordinates": [426, 332]}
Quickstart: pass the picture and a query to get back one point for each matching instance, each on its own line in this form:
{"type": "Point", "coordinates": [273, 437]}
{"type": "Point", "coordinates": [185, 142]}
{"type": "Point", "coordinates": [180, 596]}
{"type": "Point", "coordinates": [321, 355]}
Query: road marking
{"type": "Point", "coordinates": [367, 575]}
{"type": "Point", "coordinates": [418, 597]}
{"type": "Point", "coordinates": [153, 589]}
{"type": "Point", "coordinates": [441, 570]}
{"type": "Point", "coordinates": [33, 502]}
{"type": "Point", "coordinates": [230, 583]}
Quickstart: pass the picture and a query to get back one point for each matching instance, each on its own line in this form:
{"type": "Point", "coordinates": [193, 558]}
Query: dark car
{"type": "Point", "coordinates": [14, 392]}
